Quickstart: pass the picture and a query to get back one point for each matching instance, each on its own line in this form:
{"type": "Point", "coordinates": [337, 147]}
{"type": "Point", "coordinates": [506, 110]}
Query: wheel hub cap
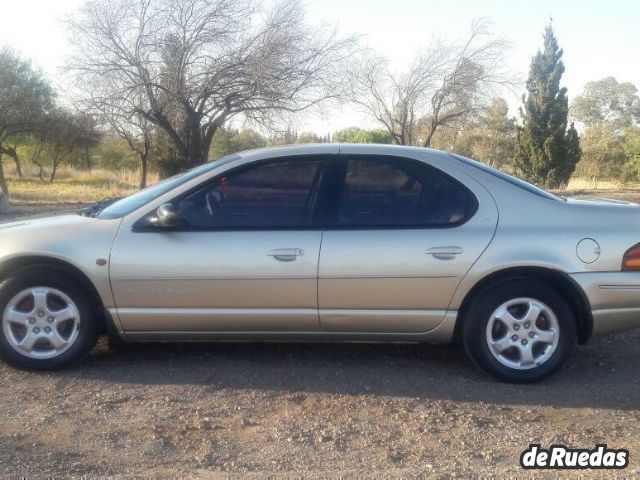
{"type": "Point", "coordinates": [523, 333]}
{"type": "Point", "coordinates": [41, 322]}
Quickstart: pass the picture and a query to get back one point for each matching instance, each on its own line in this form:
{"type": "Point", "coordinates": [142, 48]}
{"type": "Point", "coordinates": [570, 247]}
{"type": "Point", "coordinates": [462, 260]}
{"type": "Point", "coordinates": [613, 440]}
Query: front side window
{"type": "Point", "coordinates": [274, 194]}
{"type": "Point", "coordinates": [388, 191]}
{"type": "Point", "coordinates": [126, 205]}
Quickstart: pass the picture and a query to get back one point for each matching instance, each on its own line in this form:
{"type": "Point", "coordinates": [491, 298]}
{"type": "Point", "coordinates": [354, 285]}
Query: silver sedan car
{"type": "Point", "coordinates": [327, 243]}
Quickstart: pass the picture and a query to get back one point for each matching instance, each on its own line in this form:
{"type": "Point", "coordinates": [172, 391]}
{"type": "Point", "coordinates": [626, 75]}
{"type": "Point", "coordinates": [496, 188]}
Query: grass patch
{"type": "Point", "coordinates": [72, 186]}
{"type": "Point", "coordinates": [579, 183]}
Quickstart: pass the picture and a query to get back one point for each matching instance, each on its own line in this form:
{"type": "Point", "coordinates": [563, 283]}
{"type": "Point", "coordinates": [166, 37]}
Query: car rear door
{"type": "Point", "coordinates": [246, 259]}
{"type": "Point", "coordinates": [401, 237]}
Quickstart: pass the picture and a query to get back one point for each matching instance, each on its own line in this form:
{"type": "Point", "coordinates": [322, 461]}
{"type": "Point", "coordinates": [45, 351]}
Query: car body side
{"type": "Point", "coordinates": [530, 235]}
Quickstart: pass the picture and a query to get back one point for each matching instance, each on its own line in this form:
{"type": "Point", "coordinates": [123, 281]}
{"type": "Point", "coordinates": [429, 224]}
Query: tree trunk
{"type": "Point", "coordinates": [17, 162]}
{"type": "Point", "coordinates": [197, 156]}
{"type": "Point", "coordinates": [4, 202]}
{"type": "Point", "coordinates": [207, 140]}
{"type": "Point", "coordinates": [87, 157]}
{"type": "Point", "coordinates": [11, 151]}
{"type": "Point", "coordinates": [199, 143]}
{"type": "Point", "coordinates": [194, 157]}
{"type": "Point", "coordinates": [41, 169]}
{"type": "Point", "coordinates": [3, 180]}
{"type": "Point", "coordinates": [427, 141]}
{"type": "Point", "coordinates": [54, 170]}
{"type": "Point", "coordinates": [143, 170]}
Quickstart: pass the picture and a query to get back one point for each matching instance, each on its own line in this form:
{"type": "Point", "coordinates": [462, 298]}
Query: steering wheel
{"type": "Point", "coordinates": [214, 207]}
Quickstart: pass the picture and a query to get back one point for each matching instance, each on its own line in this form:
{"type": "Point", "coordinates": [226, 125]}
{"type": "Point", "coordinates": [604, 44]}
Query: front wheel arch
{"type": "Point", "coordinates": [569, 289]}
{"type": "Point", "coordinates": [39, 261]}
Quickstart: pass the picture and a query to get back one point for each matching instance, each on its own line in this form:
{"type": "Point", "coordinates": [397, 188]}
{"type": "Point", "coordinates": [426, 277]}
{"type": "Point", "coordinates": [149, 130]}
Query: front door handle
{"type": "Point", "coordinates": [445, 253]}
{"type": "Point", "coordinates": [286, 254]}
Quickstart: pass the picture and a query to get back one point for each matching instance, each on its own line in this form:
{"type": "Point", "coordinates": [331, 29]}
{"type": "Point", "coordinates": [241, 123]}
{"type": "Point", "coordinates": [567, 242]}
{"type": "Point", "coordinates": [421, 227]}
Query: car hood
{"type": "Point", "coordinates": [62, 236]}
{"type": "Point", "coordinates": [57, 221]}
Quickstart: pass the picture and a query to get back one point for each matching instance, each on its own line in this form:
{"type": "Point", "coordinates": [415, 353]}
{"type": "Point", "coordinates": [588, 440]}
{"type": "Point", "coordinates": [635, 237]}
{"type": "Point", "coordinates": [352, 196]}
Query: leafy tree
{"type": "Point", "coordinates": [573, 152]}
{"type": "Point", "coordinates": [286, 137]}
{"type": "Point", "coordinates": [631, 143]}
{"type": "Point", "coordinates": [546, 153]}
{"type": "Point", "coordinates": [63, 139]}
{"type": "Point", "coordinates": [490, 139]}
{"type": "Point", "coordinates": [309, 137]}
{"type": "Point", "coordinates": [165, 155]}
{"type": "Point", "coordinates": [114, 153]}
{"type": "Point", "coordinates": [89, 136]}
{"type": "Point", "coordinates": [602, 152]}
{"type": "Point", "coordinates": [229, 140]}
{"type": "Point", "coordinates": [631, 148]}
{"type": "Point", "coordinates": [25, 99]}
{"type": "Point", "coordinates": [359, 135]}
{"type": "Point", "coordinates": [458, 137]}
{"type": "Point", "coordinates": [495, 135]}
{"type": "Point", "coordinates": [608, 101]}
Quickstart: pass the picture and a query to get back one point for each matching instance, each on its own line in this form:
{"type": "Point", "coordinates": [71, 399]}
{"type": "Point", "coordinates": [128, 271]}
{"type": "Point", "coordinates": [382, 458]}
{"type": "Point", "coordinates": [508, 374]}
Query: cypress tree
{"type": "Point", "coordinates": [573, 153]}
{"type": "Point", "coordinates": [546, 152]}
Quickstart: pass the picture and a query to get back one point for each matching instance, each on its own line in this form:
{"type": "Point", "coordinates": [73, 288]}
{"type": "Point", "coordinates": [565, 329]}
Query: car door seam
{"type": "Point", "coordinates": [318, 280]}
{"type": "Point", "coordinates": [116, 317]}
{"type": "Point", "coordinates": [493, 236]}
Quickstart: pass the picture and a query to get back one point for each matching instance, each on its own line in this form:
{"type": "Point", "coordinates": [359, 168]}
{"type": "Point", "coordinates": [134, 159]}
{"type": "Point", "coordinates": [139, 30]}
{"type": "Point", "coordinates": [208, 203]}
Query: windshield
{"type": "Point", "coordinates": [529, 187]}
{"type": "Point", "coordinates": [133, 202]}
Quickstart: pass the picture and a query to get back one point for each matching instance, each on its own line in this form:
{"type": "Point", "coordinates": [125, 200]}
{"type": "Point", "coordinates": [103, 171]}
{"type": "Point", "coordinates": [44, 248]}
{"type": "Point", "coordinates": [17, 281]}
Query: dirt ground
{"type": "Point", "coordinates": [287, 410]}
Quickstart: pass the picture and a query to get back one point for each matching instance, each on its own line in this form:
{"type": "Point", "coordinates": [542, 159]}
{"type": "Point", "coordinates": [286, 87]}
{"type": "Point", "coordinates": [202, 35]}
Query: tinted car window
{"type": "Point", "coordinates": [387, 191]}
{"type": "Point", "coordinates": [275, 194]}
{"type": "Point", "coordinates": [128, 204]}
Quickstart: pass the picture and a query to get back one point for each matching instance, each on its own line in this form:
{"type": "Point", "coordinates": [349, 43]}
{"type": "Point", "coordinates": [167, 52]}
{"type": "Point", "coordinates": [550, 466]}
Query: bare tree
{"type": "Point", "coordinates": [198, 63]}
{"type": "Point", "coordinates": [122, 115]}
{"type": "Point", "coordinates": [138, 133]}
{"type": "Point", "coordinates": [444, 83]}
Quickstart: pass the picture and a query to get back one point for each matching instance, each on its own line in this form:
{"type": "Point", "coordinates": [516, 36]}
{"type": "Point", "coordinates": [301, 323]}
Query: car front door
{"type": "Point", "coordinates": [401, 237]}
{"type": "Point", "coordinates": [245, 260]}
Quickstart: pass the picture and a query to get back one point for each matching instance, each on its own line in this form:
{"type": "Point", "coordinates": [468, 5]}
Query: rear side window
{"type": "Point", "coordinates": [395, 192]}
{"type": "Point", "coordinates": [274, 194]}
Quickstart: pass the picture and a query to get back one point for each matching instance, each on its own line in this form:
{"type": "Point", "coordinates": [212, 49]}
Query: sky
{"type": "Point", "coordinates": [599, 38]}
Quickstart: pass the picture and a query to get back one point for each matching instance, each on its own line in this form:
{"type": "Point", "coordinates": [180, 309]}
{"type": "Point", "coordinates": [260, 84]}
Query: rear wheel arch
{"type": "Point", "coordinates": [38, 261]}
{"type": "Point", "coordinates": [561, 281]}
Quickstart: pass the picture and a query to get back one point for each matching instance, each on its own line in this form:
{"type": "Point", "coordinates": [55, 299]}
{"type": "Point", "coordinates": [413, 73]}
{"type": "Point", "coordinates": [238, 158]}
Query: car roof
{"type": "Point", "coordinates": [333, 148]}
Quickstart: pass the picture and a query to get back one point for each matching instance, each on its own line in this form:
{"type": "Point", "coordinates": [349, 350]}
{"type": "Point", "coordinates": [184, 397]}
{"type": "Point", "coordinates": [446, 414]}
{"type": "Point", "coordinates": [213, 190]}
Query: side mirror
{"type": "Point", "coordinates": [167, 216]}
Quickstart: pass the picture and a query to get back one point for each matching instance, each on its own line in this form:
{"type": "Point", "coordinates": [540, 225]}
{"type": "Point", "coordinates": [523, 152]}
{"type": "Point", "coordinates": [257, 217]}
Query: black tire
{"type": "Point", "coordinates": [479, 314]}
{"type": "Point", "coordinates": [89, 327]}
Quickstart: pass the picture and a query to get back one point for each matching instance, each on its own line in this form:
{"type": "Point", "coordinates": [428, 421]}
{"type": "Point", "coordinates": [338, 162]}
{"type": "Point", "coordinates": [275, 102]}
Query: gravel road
{"type": "Point", "coordinates": [253, 410]}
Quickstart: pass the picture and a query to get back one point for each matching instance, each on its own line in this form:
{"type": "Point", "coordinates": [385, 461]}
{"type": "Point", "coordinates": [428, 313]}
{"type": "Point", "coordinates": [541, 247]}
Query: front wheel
{"type": "Point", "coordinates": [519, 331]}
{"type": "Point", "coordinates": [47, 319]}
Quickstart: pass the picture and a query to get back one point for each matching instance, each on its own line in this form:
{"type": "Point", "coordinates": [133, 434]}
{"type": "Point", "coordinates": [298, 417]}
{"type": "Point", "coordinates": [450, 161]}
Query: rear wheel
{"type": "Point", "coordinates": [48, 320]}
{"type": "Point", "coordinates": [519, 331]}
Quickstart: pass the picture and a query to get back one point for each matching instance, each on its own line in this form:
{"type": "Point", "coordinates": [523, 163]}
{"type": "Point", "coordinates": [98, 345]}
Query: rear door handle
{"type": "Point", "coordinates": [286, 254]}
{"type": "Point", "coordinates": [445, 253]}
